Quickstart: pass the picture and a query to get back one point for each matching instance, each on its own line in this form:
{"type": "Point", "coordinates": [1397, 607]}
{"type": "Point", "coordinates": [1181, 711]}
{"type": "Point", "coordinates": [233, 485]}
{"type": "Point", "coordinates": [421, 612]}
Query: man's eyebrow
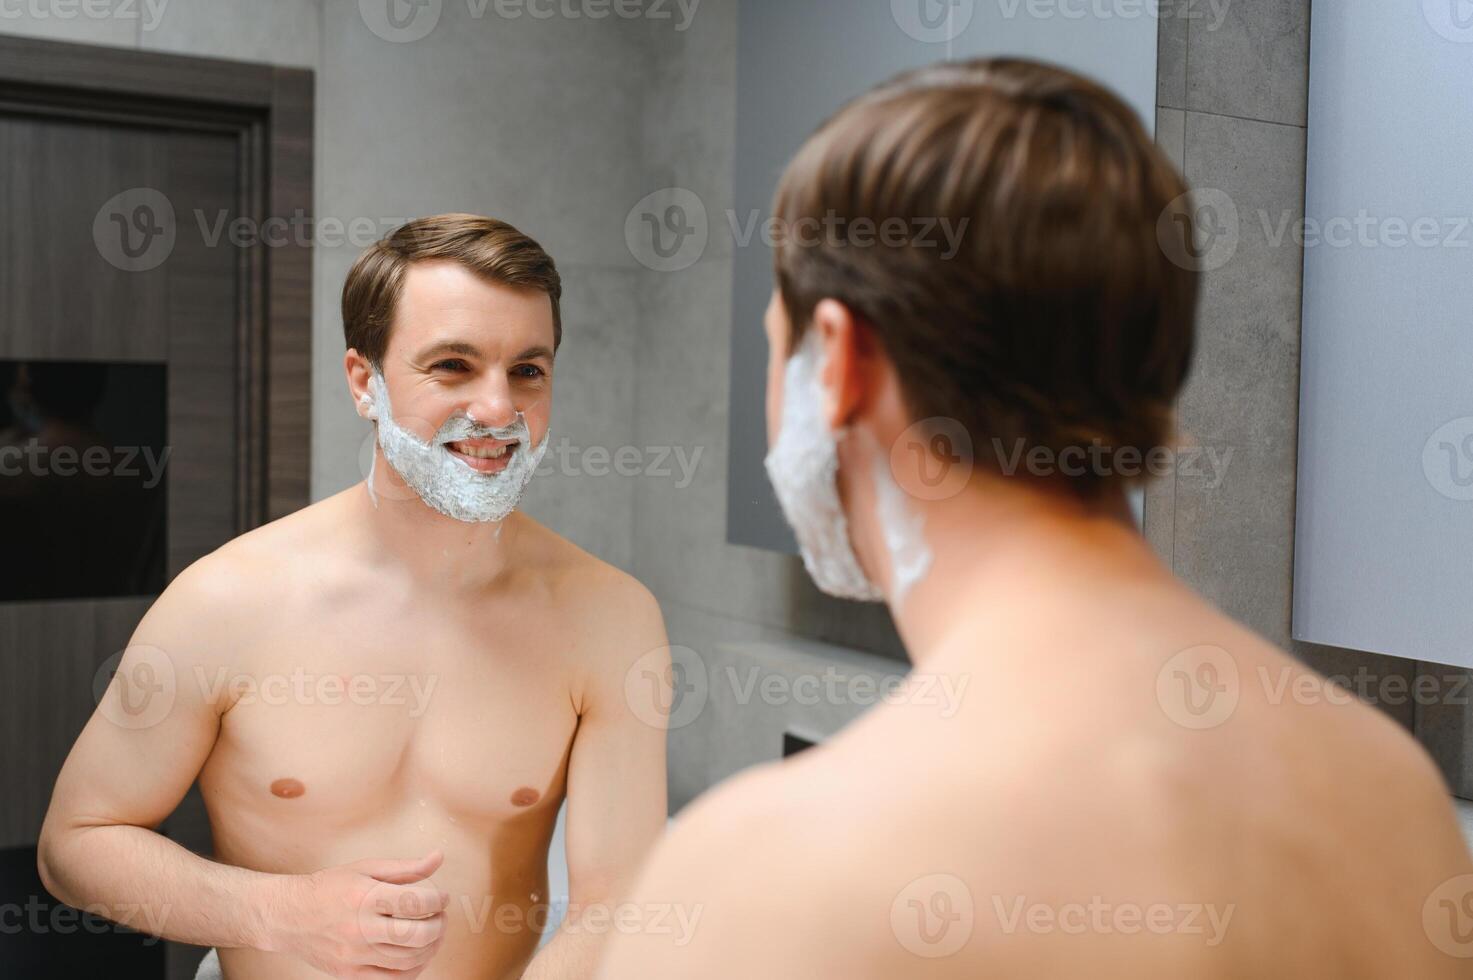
{"type": "Point", "coordinates": [449, 347]}
{"type": "Point", "coordinates": [532, 353]}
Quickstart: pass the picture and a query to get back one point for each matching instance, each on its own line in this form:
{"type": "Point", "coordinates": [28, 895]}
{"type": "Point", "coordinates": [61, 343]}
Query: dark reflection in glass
{"type": "Point", "coordinates": [83, 463]}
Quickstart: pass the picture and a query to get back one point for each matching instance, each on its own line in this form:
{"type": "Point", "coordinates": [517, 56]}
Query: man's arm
{"type": "Point", "coordinates": [616, 775]}
{"type": "Point", "coordinates": [729, 906]}
{"type": "Point", "coordinates": [153, 729]}
{"type": "Point", "coordinates": [134, 761]}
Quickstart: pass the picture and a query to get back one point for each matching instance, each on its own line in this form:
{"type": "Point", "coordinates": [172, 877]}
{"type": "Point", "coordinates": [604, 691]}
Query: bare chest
{"type": "Point", "coordinates": [337, 722]}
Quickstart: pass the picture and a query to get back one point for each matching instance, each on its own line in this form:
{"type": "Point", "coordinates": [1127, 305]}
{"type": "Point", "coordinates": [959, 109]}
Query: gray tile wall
{"type": "Point", "coordinates": [1232, 111]}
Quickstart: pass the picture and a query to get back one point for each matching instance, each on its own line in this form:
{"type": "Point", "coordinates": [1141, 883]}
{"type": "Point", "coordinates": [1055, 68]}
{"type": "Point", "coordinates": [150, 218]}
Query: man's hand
{"type": "Point", "coordinates": [366, 919]}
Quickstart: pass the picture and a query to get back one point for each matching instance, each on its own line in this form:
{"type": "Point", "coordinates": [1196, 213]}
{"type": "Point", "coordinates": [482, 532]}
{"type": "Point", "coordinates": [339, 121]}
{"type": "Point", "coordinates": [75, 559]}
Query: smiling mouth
{"type": "Point", "coordinates": [483, 455]}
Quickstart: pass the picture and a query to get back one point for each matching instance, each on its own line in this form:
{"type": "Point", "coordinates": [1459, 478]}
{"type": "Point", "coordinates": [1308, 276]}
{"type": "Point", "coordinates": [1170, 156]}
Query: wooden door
{"type": "Point", "coordinates": [141, 322]}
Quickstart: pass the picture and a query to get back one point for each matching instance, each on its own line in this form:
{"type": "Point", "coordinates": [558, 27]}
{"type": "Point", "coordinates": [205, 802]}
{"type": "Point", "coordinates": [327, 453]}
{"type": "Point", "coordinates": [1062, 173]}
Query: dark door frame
{"type": "Point", "coordinates": [270, 109]}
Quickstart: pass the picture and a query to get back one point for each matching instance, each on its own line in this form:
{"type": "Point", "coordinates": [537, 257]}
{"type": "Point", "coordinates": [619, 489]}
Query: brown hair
{"type": "Point", "coordinates": [1060, 320]}
{"type": "Point", "coordinates": [490, 248]}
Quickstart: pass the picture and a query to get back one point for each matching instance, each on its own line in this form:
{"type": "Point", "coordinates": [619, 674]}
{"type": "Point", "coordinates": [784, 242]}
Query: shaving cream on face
{"type": "Point", "coordinates": [903, 526]}
{"type": "Point", "coordinates": [803, 466]}
{"type": "Point", "coordinates": [446, 483]}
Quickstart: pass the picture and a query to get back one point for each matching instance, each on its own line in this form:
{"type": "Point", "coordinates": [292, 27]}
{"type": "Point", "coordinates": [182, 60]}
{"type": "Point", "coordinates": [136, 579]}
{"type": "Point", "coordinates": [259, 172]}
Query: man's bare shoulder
{"type": "Point", "coordinates": [274, 547]}
{"type": "Point", "coordinates": [1276, 736]}
{"type": "Point", "coordinates": [1156, 709]}
{"type": "Point", "coordinates": [580, 584]}
{"type": "Point", "coordinates": [210, 609]}
{"type": "Point", "coordinates": [257, 570]}
{"type": "Point", "coordinates": [610, 621]}
{"type": "Point", "coordinates": [307, 533]}
{"type": "Point", "coordinates": [804, 869]}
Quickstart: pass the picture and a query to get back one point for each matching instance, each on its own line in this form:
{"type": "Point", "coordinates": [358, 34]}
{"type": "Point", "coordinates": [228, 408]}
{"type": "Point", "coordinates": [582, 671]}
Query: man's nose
{"type": "Point", "coordinates": [493, 405]}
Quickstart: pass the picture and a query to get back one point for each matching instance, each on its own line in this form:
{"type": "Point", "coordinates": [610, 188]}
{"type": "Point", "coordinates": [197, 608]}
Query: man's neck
{"type": "Point", "coordinates": [998, 546]}
{"type": "Point", "coordinates": [436, 551]}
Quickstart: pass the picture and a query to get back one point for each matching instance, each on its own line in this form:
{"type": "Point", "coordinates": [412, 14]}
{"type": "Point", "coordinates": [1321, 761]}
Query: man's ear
{"type": "Point", "coordinates": [844, 368]}
{"type": "Point", "coordinates": [356, 366]}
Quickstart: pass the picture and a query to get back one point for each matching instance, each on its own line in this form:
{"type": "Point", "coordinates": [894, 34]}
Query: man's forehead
{"type": "Point", "coordinates": [451, 289]}
{"type": "Point", "coordinates": [451, 346]}
{"type": "Point", "coordinates": [443, 302]}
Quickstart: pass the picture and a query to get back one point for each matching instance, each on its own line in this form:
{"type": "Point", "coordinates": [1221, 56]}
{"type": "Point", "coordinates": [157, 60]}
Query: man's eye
{"type": "Point", "coordinates": [530, 371]}
{"type": "Point", "coordinates": [453, 364]}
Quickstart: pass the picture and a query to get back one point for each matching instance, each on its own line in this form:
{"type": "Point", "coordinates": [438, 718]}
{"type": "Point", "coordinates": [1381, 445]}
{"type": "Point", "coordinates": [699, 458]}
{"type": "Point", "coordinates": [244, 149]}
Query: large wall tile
{"type": "Point", "coordinates": [533, 121]}
{"type": "Point", "coordinates": [118, 27]}
{"type": "Point", "coordinates": [1171, 134]}
{"type": "Point", "coordinates": [1249, 58]}
{"type": "Point", "coordinates": [1171, 54]}
{"type": "Point", "coordinates": [281, 32]}
{"type": "Point", "coordinates": [1234, 541]}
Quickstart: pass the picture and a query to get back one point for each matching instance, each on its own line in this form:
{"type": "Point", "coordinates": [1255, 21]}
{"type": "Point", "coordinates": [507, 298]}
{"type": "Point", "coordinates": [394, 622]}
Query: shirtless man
{"type": "Point", "coordinates": [1134, 785]}
{"type": "Point", "coordinates": [386, 695]}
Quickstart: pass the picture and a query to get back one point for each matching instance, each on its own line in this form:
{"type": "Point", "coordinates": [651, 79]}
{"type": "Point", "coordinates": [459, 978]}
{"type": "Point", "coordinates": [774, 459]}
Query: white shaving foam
{"type": "Point", "coordinates": [903, 525]}
{"type": "Point", "coordinates": [445, 482]}
{"type": "Point", "coordinates": [803, 466]}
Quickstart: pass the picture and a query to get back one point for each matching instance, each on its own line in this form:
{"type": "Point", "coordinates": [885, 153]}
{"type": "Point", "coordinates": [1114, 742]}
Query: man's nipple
{"type": "Point", "coordinates": [525, 796]}
{"type": "Point", "coordinates": [288, 789]}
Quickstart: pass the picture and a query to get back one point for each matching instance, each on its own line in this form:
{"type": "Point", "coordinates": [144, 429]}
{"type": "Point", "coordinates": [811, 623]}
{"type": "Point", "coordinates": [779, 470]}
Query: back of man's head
{"type": "Point", "coordinates": [1058, 319]}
